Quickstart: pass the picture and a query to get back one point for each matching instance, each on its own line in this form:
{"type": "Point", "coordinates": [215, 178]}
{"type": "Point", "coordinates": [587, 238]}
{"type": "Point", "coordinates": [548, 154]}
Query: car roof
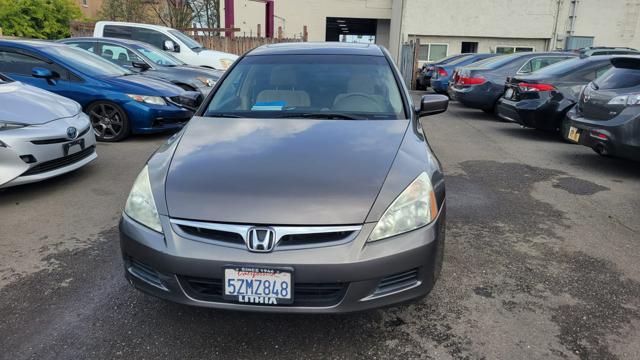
{"type": "Point", "coordinates": [38, 44]}
{"type": "Point", "coordinates": [122, 23]}
{"type": "Point", "coordinates": [317, 48]}
{"type": "Point", "coordinates": [109, 39]}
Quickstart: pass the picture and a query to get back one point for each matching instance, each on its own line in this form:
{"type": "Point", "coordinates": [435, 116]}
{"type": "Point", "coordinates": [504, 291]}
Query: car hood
{"type": "Point", "coordinates": [144, 85]}
{"type": "Point", "coordinates": [280, 171]}
{"type": "Point", "coordinates": [29, 105]}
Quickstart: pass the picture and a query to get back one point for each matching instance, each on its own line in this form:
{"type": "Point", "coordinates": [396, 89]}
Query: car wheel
{"type": "Point", "coordinates": [109, 121]}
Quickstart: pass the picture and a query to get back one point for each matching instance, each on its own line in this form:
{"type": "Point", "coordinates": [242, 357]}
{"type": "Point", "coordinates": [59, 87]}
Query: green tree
{"type": "Point", "coordinates": [41, 19]}
{"type": "Point", "coordinates": [124, 10]}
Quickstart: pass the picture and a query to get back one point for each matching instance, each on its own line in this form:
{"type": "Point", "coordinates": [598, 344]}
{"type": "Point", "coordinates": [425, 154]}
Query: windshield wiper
{"type": "Point", "coordinates": [221, 115]}
{"type": "Point", "coordinates": [322, 115]}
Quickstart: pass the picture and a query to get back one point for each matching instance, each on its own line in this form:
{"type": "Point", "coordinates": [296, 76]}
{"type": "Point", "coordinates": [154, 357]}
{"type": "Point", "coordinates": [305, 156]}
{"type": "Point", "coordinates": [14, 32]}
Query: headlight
{"type": "Point", "coordinates": [206, 81]}
{"type": "Point", "coordinates": [140, 205]}
{"type": "Point", "coordinates": [415, 207]}
{"type": "Point", "coordinates": [226, 63]}
{"type": "Point", "coordinates": [9, 126]}
{"type": "Point", "coordinates": [155, 100]}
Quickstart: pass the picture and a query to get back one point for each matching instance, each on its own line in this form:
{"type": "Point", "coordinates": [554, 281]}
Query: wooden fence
{"type": "Point", "coordinates": [234, 45]}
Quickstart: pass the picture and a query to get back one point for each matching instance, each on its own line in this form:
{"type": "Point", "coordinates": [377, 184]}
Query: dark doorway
{"type": "Point", "coordinates": [469, 47]}
{"type": "Point", "coordinates": [350, 28]}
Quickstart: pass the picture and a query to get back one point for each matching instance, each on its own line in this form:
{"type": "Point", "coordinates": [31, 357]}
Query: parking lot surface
{"type": "Point", "coordinates": [541, 262]}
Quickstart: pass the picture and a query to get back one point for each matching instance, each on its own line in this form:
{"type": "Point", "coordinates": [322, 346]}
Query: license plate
{"type": "Point", "coordinates": [508, 94]}
{"type": "Point", "coordinates": [255, 285]}
{"type": "Point", "coordinates": [574, 134]}
{"type": "Point", "coordinates": [73, 147]}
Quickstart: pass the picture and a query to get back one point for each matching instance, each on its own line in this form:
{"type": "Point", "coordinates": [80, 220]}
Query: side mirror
{"type": "Point", "coordinates": [432, 104]}
{"type": "Point", "coordinates": [170, 46]}
{"type": "Point", "coordinates": [140, 65]}
{"type": "Point", "coordinates": [41, 73]}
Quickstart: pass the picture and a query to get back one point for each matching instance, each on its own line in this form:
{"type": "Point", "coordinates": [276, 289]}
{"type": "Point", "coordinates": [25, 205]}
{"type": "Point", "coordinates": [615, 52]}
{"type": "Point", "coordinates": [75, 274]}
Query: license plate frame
{"type": "Point", "coordinates": [66, 148]}
{"type": "Point", "coordinates": [574, 134]}
{"type": "Point", "coordinates": [238, 289]}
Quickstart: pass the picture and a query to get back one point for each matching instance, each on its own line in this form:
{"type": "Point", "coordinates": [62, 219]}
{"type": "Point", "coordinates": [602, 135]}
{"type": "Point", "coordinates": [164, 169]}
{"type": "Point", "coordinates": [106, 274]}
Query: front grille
{"type": "Point", "coordinates": [59, 140]}
{"type": "Point", "coordinates": [217, 235]}
{"type": "Point", "coordinates": [159, 122]}
{"type": "Point", "coordinates": [397, 282]}
{"type": "Point", "coordinates": [288, 237]}
{"type": "Point", "coordinates": [314, 238]}
{"type": "Point", "coordinates": [60, 162]}
{"type": "Point", "coordinates": [304, 294]}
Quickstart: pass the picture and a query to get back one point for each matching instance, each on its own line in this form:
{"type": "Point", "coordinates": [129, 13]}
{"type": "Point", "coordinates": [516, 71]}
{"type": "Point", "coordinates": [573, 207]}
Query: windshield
{"type": "Point", "coordinates": [87, 62]}
{"type": "Point", "coordinates": [192, 44]}
{"type": "Point", "coordinates": [158, 56]}
{"type": "Point", "coordinates": [320, 86]}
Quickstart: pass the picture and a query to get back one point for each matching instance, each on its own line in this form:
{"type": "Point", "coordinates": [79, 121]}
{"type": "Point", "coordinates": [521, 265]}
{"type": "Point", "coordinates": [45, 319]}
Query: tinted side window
{"type": "Point", "coordinates": [82, 45]}
{"type": "Point", "coordinates": [22, 64]}
{"type": "Point", "coordinates": [619, 78]}
{"type": "Point", "coordinates": [149, 36]}
{"type": "Point", "coordinates": [536, 64]}
{"type": "Point", "coordinates": [117, 54]}
{"type": "Point", "coordinates": [589, 73]}
{"type": "Point", "coordinates": [118, 31]}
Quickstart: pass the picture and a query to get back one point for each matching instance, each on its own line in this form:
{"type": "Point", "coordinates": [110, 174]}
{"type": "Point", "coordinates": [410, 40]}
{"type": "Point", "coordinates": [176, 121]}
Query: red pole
{"type": "Point", "coordinates": [228, 17]}
{"type": "Point", "coordinates": [269, 18]}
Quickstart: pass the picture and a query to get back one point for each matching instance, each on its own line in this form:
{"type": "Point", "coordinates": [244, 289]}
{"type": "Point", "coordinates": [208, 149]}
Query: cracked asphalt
{"type": "Point", "coordinates": [541, 262]}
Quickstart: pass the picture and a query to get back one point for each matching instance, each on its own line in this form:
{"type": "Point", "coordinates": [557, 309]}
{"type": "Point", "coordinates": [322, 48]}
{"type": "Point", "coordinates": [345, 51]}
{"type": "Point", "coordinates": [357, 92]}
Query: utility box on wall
{"type": "Point", "coordinates": [578, 42]}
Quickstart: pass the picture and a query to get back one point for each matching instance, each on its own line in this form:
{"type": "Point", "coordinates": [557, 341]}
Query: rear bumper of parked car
{"type": "Point", "coordinates": [334, 279]}
{"type": "Point", "coordinates": [477, 96]}
{"type": "Point", "coordinates": [618, 136]}
{"type": "Point", "coordinates": [535, 113]}
{"type": "Point", "coordinates": [440, 85]}
{"type": "Point", "coordinates": [147, 118]}
{"type": "Point", "coordinates": [41, 147]}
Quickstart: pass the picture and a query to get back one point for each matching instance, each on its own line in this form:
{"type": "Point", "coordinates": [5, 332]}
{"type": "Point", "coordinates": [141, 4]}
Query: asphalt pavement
{"type": "Point", "coordinates": [541, 262]}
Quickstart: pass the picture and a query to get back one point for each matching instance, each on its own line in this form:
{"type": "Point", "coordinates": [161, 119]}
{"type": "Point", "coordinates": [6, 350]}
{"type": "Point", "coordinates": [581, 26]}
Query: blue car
{"type": "Point", "coordinates": [442, 73]}
{"type": "Point", "coordinates": [117, 101]}
{"type": "Point", "coordinates": [427, 70]}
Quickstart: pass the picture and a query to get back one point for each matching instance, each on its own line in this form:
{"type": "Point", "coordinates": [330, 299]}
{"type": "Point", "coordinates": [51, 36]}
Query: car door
{"type": "Point", "coordinates": [19, 64]}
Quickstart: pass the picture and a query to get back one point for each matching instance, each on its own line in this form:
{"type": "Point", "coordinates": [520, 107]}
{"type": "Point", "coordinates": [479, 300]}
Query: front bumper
{"type": "Point", "coordinates": [621, 132]}
{"type": "Point", "coordinates": [148, 118]}
{"type": "Point", "coordinates": [355, 270]}
{"type": "Point", "coordinates": [37, 152]}
{"type": "Point", "coordinates": [541, 114]}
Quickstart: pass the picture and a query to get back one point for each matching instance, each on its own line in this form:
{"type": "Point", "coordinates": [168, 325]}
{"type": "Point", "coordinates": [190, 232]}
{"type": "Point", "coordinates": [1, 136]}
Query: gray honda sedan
{"type": "Point", "coordinates": [303, 184]}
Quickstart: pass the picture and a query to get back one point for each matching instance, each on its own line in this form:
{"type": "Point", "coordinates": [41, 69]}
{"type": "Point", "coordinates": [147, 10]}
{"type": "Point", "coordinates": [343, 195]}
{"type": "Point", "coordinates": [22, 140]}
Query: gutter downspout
{"type": "Point", "coordinates": [554, 39]}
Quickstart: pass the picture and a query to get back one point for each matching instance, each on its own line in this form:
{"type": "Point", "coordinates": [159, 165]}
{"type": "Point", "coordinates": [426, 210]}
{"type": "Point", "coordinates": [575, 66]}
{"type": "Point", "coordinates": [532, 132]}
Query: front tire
{"type": "Point", "coordinates": [110, 123]}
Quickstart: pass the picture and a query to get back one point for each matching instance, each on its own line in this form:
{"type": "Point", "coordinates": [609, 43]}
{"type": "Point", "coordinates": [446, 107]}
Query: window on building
{"type": "Point", "coordinates": [433, 52]}
{"type": "Point", "coordinates": [85, 3]}
{"type": "Point", "coordinates": [513, 49]}
{"type": "Point", "coordinates": [469, 47]}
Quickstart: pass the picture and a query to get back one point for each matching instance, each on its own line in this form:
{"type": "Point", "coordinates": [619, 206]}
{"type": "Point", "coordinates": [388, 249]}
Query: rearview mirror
{"type": "Point", "coordinates": [170, 46]}
{"type": "Point", "coordinates": [140, 65]}
{"type": "Point", "coordinates": [432, 104]}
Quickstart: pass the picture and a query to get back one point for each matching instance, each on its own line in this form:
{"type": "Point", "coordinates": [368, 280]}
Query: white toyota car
{"type": "Point", "coordinates": [42, 134]}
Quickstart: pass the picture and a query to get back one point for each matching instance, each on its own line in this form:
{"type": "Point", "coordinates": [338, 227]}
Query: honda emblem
{"type": "Point", "coordinates": [261, 239]}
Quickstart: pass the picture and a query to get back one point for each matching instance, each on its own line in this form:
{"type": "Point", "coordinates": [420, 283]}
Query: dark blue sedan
{"type": "Point", "coordinates": [442, 72]}
{"type": "Point", "coordinates": [117, 101]}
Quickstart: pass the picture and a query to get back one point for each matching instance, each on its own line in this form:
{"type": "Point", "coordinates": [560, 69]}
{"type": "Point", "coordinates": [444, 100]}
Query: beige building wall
{"type": "Point", "coordinates": [292, 15]}
{"type": "Point", "coordinates": [610, 22]}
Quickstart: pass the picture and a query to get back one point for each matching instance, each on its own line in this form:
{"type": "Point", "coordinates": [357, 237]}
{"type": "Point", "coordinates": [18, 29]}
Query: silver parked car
{"type": "Point", "coordinates": [303, 184]}
{"type": "Point", "coordinates": [42, 134]}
